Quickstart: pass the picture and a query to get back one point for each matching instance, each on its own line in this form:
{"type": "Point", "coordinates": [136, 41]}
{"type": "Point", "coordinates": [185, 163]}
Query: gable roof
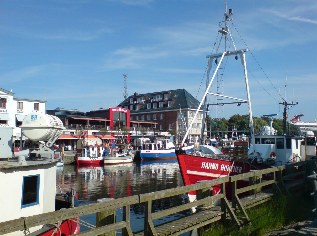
{"type": "Point", "coordinates": [178, 98]}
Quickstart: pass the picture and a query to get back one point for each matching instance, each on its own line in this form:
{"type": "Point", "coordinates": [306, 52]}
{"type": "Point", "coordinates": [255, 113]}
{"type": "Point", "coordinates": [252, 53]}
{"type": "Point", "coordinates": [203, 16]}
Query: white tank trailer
{"type": "Point", "coordinates": [44, 129]}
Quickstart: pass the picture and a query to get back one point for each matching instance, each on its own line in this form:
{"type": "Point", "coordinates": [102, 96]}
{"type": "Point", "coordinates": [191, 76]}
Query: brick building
{"type": "Point", "coordinates": [171, 111]}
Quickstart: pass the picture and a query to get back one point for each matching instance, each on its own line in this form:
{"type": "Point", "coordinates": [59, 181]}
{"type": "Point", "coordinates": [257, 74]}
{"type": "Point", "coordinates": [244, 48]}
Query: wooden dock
{"type": "Point", "coordinates": [246, 191]}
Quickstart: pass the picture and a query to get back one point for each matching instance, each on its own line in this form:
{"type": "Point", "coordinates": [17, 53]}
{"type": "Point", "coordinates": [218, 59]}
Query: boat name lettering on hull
{"type": "Point", "coordinates": [223, 167]}
{"type": "Point", "coordinates": [209, 165]}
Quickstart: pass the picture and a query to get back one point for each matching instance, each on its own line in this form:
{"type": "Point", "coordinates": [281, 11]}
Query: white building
{"type": "Point", "coordinates": [13, 110]}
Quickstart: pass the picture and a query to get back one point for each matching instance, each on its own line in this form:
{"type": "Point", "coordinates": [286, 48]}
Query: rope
{"type": "Point", "coordinates": [26, 230]}
{"type": "Point", "coordinates": [84, 223]}
{"type": "Point", "coordinates": [57, 228]}
{"type": "Point", "coordinates": [261, 68]}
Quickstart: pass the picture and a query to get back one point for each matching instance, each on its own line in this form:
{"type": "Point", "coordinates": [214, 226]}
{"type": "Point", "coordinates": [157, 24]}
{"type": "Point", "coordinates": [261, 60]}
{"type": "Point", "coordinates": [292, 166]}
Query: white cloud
{"type": "Point", "coordinates": [133, 58]}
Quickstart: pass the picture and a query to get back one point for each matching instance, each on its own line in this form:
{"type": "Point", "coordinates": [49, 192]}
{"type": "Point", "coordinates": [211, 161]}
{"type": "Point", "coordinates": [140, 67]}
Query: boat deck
{"type": "Point", "coordinates": [16, 163]}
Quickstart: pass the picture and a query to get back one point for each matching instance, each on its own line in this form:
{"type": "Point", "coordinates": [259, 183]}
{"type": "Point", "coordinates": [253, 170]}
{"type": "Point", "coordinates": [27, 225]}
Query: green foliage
{"type": "Point", "coordinates": [280, 211]}
{"type": "Point", "coordinates": [241, 123]}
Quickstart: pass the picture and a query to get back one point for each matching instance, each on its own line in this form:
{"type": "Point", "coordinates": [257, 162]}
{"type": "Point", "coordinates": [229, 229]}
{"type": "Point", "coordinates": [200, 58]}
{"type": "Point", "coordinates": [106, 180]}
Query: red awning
{"type": "Point", "coordinates": [144, 122]}
{"type": "Point", "coordinates": [88, 118]}
{"type": "Point", "coordinates": [68, 136]}
{"type": "Point", "coordinates": [104, 136]}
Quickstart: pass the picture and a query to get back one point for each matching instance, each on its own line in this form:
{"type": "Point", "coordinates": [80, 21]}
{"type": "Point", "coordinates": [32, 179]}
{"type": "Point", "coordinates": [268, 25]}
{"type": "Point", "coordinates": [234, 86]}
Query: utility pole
{"type": "Point", "coordinates": [286, 105]}
{"type": "Point", "coordinates": [125, 91]}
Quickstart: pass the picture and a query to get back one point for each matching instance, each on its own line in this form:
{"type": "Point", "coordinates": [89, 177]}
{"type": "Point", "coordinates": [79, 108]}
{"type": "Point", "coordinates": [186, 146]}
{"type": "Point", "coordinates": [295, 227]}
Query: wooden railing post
{"type": "Point", "coordinates": [105, 217]}
{"type": "Point", "coordinates": [148, 221]}
{"type": "Point", "coordinates": [223, 203]}
{"type": "Point", "coordinates": [201, 194]}
{"type": "Point", "coordinates": [126, 217]}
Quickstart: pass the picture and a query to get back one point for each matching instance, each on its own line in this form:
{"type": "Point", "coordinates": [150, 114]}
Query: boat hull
{"type": "Point", "coordinates": [195, 169]}
{"type": "Point", "coordinates": [158, 154]}
{"type": "Point", "coordinates": [118, 160]}
{"type": "Point", "coordinates": [89, 161]}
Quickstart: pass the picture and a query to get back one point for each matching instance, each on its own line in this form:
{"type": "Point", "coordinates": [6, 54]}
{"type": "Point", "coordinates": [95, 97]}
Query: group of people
{"type": "Point", "coordinates": [112, 148]}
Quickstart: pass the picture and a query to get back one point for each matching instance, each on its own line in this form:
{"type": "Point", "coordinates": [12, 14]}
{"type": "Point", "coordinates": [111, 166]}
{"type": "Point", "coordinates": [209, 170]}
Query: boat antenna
{"type": "Point", "coordinates": [285, 116]}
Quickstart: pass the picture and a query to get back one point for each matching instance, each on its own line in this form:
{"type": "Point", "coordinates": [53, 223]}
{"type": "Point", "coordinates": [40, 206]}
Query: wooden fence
{"type": "Point", "coordinates": [245, 191]}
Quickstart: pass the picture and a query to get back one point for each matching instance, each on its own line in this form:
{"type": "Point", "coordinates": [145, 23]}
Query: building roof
{"type": "Point", "coordinates": [6, 91]}
{"type": "Point", "coordinates": [178, 98]}
{"type": "Point", "coordinates": [29, 100]}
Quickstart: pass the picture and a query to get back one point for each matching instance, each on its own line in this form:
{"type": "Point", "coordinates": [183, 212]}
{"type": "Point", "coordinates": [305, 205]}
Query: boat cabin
{"type": "Point", "coordinates": [27, 187]}
{"type": "Point", "coordinates": [284, 149]}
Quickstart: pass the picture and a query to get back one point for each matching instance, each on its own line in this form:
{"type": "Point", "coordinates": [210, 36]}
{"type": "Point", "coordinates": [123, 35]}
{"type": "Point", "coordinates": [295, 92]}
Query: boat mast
{"type": "Point", "coordinates": [225, 32]}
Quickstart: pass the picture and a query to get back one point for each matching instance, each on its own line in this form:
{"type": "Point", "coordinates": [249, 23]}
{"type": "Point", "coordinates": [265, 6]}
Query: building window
{"type": "Point", "coordinates": [137, 118]}
{"type": "Point", "coordinates": [131, 100]}
{"type": "Point", "coordinates": [148, 117]}
{"type": "Point", "coordinates": [160, 104]}
{"type": "Point", "coordinates": [148, 106]}
{"type": "Point", "coordinates": [30, 190]}
{"type": "Point", "coordinates": [161, 127]}
{"type": "Point", "coordinates": [161, 116]}
{"type": "Point", "coordinates": [3, 103]}
{"type": "Point", "coordinates": [166, 96]}
{"type": "Point", "coordinates": [140, 99]}
{"type": "Point", "coordinates": [131, 107]}
{"type": "Point", "coordinates": [154, 105]}
{"type": "Point", "coordinates": [154, 116]}
{"type": "Point", "coordinates": [169, 104]}
{"type": "Point", "coordinates": [170, 126]}
{"type": "Point", "coordinates": [142, 117]}
{"type": "Point", "coordinates": [20, 105]}
{"type": "Point", "coordinates": [159, 97]}
{"type": "Point", "coordinates": [36, 106]}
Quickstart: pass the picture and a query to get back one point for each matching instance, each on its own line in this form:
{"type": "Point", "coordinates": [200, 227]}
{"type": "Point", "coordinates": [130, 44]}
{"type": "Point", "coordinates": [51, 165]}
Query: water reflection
{"type": "Point", "coordinates": [116, 181]}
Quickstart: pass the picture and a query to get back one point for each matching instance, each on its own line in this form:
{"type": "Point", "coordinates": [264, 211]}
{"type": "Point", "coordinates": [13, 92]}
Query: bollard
{"type": "Point", "coordinates": [106, 217]}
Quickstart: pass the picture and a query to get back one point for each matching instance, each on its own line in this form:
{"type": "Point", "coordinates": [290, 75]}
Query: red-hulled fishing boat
{"type": "Point", "coordinates": [205, 162]}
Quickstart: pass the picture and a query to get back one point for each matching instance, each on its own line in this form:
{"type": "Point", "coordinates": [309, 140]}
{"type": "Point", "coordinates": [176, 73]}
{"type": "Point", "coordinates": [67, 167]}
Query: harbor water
{"type": "Point", "coordinates": [117, 181]}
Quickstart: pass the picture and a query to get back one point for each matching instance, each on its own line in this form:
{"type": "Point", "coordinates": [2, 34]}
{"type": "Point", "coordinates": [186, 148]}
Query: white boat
{"type": "Point", "coordinates": [28, 185]}
{"type": "Point", "coordinates": [160, 149]}
{"type": "Point", "coordinates": [118, 158]}
{"type": "Point", "coordinates": [89, 155]}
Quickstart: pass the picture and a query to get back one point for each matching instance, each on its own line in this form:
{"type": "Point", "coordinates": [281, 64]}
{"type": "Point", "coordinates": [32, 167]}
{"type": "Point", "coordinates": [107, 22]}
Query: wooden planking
{"type": "Point", "coordinates": [104, 229]}
{"type": "Point", "coordinates": [63, 214]}
{"type": "Point", "coordinates": [208, 200]}
{"type": "Point", "coordinates": [181, 190]}
{"type": "Point", "coordinates": [255, 186]}
{"type": "Point", "coordinates": [254, 173]}
{"type": "Point", "coordinates": [256, 199]}
{"type": "Point", "coordinates": [188, 223]}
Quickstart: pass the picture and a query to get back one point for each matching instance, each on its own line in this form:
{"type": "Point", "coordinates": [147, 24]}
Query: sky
{"type": "Point", "coordinates": [74, 53]}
